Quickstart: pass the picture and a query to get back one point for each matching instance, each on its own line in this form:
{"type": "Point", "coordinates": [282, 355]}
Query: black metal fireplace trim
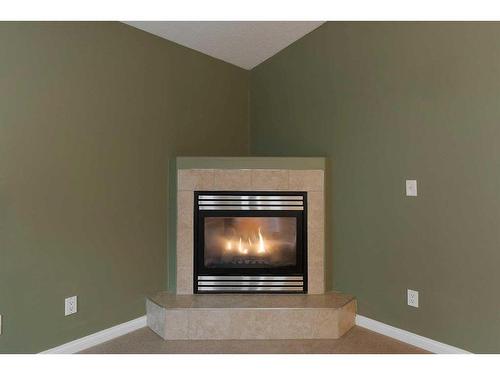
{"type": "Point", "coordinates": [300, 270]}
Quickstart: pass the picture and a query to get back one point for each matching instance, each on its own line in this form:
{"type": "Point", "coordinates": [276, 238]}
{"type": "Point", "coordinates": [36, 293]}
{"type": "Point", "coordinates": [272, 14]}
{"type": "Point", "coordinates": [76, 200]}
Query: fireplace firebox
{"type": "Point", "coordinates": [250, 242]}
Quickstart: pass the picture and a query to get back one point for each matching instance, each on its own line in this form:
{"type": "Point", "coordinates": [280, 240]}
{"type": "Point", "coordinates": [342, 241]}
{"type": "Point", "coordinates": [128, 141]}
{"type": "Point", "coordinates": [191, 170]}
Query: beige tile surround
{"type": "Point", "coordinates": [310, 181]}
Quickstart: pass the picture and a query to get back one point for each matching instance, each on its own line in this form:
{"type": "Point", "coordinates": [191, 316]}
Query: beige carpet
{"type": "Point", "coordinates": [357, 340]}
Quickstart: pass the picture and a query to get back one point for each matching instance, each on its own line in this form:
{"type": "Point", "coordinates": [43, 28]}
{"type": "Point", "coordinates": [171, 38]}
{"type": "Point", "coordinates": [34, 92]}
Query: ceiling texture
{"type": "Point", "coordinates": [243, 43]}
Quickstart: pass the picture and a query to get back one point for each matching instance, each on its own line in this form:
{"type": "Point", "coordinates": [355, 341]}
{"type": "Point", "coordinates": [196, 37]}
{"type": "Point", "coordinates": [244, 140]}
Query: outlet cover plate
{"type": "Point", "coordinates": [70, 305]}
{"type": "Point", "coordinates": [412, 298]}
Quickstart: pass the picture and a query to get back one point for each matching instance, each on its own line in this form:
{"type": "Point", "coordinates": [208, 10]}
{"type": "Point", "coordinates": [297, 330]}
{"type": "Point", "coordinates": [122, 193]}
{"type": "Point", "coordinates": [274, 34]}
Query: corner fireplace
{"type": "Point", "coordinates": [250, 242]}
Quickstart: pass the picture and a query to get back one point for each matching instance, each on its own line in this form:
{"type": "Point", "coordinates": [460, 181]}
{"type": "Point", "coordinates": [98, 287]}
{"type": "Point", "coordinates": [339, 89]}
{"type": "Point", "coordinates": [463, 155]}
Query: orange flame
{"type": "Point", "coordinates": [241, 249]}
{"type": "Point", "coordinates": [261, 248]}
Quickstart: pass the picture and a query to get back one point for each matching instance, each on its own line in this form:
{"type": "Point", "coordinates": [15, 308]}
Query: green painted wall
{"type": "Point", "coordinates": [385, 102]}
{"type": "Point", "coordinates": [90, 116]}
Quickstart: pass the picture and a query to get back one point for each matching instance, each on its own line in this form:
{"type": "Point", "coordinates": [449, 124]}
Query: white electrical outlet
{"type": "Point", "coordinates": [70, 305]}
{"type": "Point", "coordinates": [412, 298]}
{"type": "Point", "coordinates": [411, 188]}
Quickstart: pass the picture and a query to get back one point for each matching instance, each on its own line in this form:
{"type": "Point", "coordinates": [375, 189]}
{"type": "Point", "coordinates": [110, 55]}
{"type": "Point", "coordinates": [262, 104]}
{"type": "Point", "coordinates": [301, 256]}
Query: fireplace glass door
{"type": "Point", "coordinates": [250, 242]}
{"type": "Point", "coordinates": [247, 241]}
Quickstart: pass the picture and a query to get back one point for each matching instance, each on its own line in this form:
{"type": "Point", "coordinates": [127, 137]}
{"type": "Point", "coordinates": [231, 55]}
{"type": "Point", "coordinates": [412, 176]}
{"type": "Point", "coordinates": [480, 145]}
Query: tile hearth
{"type": "Point", "coordinates": [247, 317]}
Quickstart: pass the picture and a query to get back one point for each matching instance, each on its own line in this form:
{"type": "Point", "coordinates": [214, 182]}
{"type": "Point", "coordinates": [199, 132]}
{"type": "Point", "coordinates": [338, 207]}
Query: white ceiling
{"type": "Point", "coordinates": [243, 43]}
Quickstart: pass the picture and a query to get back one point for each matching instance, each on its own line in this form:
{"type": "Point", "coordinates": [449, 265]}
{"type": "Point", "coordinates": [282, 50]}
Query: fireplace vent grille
{"type": "Point", "coordinates": [251, 202]}
{"type": "Point", "coordinates": [251, 283]}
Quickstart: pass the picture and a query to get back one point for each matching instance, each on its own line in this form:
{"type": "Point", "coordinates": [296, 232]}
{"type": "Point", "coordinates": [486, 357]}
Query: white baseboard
{"type": "Point", "coordinates": [362, 321]}
{"type": "Point", "coordinates": [408, 337]}
{"type": "Point", "coordinates": [98, 337]}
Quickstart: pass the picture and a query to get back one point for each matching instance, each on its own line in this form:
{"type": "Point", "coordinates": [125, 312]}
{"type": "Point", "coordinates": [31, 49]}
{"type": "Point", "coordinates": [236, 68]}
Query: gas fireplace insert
{"type": "Point", "coordinates": [250, 242]}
